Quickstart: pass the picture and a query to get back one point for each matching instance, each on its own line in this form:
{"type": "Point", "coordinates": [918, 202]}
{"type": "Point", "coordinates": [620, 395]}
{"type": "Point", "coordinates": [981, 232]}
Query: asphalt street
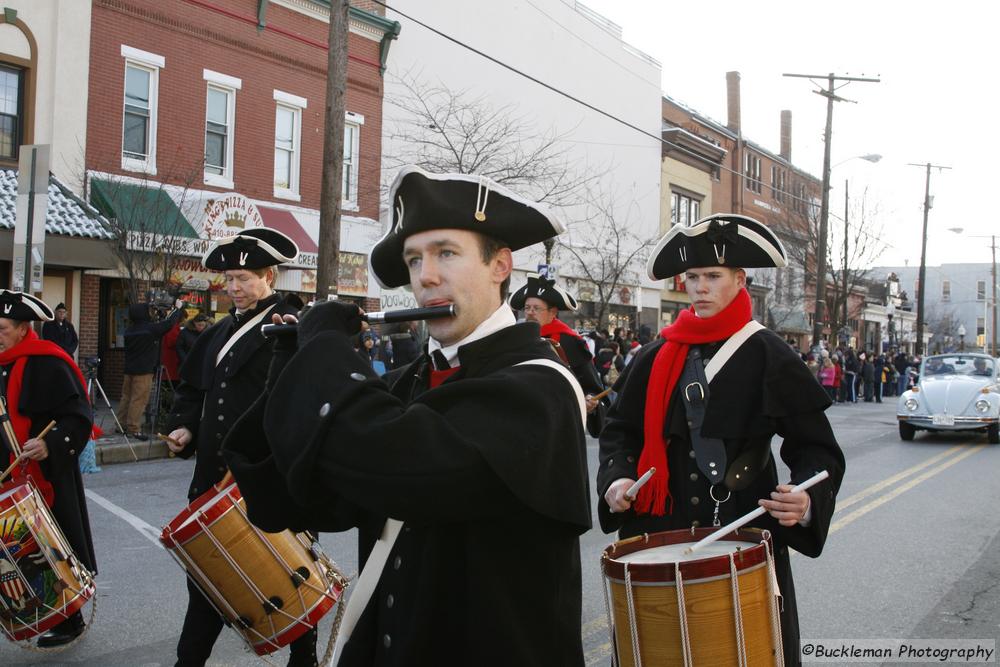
{"type": "Point", "coordinates": [914, 552]}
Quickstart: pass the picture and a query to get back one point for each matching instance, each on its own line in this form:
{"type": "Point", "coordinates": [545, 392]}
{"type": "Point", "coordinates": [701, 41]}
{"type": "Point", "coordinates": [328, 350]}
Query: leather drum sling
{"type": "Point", "coordinates": [709, 453]}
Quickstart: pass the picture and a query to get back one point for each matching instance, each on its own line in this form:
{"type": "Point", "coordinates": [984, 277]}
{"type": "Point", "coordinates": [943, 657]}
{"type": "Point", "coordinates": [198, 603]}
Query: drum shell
{"type": "Point", "coordinates": [239, 567]}
{"type": "Point", "coordinates": [708, 602]}
{"type": "Point", "coordinates": [66, 584]}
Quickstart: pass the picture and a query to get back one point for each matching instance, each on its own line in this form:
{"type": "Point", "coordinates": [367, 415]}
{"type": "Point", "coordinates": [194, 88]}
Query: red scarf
{"type": "Point", "coordinates": [30, 346]}
{"type": "Point", "coordinates": [557, 328]}
{"type": "Point", "coordinates": [687, 330]}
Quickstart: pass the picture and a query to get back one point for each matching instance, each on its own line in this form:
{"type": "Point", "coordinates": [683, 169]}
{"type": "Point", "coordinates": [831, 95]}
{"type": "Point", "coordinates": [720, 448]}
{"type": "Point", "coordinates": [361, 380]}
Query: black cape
{"type": "Point", "coordinates": [763, 390]}
{"type": "Point", "coordinates": [488, 471]}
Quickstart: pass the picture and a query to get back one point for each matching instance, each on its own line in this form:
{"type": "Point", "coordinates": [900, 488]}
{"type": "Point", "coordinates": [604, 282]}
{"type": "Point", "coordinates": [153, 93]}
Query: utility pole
{"type": "Point", "coordinates": [328, 260]}
{"type": "Point", "coordinates": [993, 246]}
{"type": "Point", "coordinates": [819, 310]}
{"type": "Point", "coordinates": [846, 230]}
{"type": "Point", "coordinates": [923, 257]}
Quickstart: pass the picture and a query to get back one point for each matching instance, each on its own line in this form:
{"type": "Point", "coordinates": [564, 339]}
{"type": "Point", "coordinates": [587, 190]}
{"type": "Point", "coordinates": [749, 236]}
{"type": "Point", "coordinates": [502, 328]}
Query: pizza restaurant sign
{"type": "Point", "coordinates": [229, 214]}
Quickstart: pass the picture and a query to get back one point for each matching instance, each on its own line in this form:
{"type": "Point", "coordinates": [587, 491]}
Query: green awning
{"type": "Point", "coordinates": [146, 210]}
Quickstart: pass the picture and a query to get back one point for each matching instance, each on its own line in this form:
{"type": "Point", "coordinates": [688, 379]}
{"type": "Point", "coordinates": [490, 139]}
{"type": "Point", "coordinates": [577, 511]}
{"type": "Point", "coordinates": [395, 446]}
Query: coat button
{"type": "Point", "coordinates": [695, 500]}
{"type": "Point", "coordinates": [222, 418]}
{"type": "Point", "coordinates": [397, 562]}
{"type": "Point", "coordinates": [386, 641]}
{"type": "Point", "coordinates": [221, 401]}
{"type": "Point", "coordinates": [630, 459]}
{"type": "Point", "coordinates": [66, 439]}
{"type": "Point", "coordinates": [694, 477]}
{"type": "Point", "coordinates": [389, 601]}
{"type": "Point", "coordinates": [72, 452]}
{"type": "Point", "coordinates": [691, 453]}
{"type": "Point", "coordinates": [222, 385]}
{"type": "Point", "coordinates": [325, 410]}
{"type": "Point", "coordinates": [359, 377]}
{"type": "Point", "coordinates": [611, 462]}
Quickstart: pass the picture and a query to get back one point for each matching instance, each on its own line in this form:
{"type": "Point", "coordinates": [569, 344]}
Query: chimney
{"type": "Point", "coordinates": [786, 135]}
{"type": "Point", "coordinates": [733, 99]}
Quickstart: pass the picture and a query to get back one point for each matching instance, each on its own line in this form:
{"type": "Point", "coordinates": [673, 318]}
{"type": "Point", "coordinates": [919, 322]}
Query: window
{"type": "Point", "coordinates": [684, 210]}
{"type": "Point", "coordinates": [751, 171]}
{"type": "Point", "coordinates": [220, 113]}
{"type": "Point", "coordinates": [352, 147]}
{"type": "Point", "coordinates": [287, 144]}
{"type": "Point", "coordinates": [946, 290]}
{"type": "Point", "coordinates": [799, 202]}
{"type": "Point", "coordinates": [142, 73]}
{"type": "Point", "coordinates": [11, 111]}
{"type": "Point", "coordinates": [778, 183]}
{"type": "Point", "coordinates": [980, 327]}
{"type": "Point", "coordinates": [981, 290]}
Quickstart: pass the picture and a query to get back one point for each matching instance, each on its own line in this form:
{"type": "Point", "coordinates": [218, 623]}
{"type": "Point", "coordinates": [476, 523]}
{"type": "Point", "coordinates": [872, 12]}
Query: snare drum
{"type": "Point", "coordinates": [41, 581]}
{"type": "Point", "coordinates": [717, 606]}
{"type": "Point", "coordinates": [271, 587]}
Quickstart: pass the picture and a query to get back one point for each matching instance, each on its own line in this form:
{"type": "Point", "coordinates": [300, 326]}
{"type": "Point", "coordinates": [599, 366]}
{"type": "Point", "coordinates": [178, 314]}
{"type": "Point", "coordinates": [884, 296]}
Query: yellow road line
{"type": "Point", "coordinates": [875, 488]}
{"type": "Point", "coordinates": [861, 511]}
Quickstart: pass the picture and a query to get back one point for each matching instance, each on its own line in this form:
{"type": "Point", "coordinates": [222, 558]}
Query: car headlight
{"type": "Point", "coordinates": [911, 404]}
{"type": "Point", "coordinates": [982, 405]}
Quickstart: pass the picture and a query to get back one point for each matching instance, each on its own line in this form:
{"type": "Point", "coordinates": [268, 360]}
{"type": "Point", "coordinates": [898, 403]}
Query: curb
{"type": "Point", "coordinates": [118, 451]}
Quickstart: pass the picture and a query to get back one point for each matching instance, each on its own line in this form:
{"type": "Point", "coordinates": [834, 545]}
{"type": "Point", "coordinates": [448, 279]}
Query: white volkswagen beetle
{"type": "Point", "coordinates": [956, 392]}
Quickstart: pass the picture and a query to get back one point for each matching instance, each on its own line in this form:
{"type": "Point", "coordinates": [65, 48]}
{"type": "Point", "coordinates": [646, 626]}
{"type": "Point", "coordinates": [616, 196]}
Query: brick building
{"type": "Point", "coordinates": [750, 180]}
{"type": "Point", "coordinates": [206, 117]}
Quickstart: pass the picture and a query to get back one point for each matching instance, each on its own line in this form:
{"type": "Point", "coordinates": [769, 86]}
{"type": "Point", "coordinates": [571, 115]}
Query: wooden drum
{"type": "Point", "coordinates": [717, 606]}
{"type": "Point", "coordinates": [272, 587]}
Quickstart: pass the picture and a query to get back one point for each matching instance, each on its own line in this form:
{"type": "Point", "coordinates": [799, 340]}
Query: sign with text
{"type": "Point", "coordinates": [228, 214]}
{"type": "Point", "coordinates": [29, 222]}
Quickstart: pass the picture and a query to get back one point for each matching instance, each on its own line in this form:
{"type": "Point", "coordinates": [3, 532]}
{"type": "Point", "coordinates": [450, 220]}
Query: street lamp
{"type": "Point", "coordinates": [961, 338]}
{"type": "Point", "coordinates": [890, 310]}
{"type": "Point", "coordinates": [870, 157]}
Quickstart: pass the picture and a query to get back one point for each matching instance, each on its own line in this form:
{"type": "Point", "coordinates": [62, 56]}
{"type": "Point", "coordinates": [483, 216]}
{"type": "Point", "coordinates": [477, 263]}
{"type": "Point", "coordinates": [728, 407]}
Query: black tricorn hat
{"type": "Point", "coordinates": [61, 306]}
{"type": "Point", "coordinates": [538, 287]}
{"type": "Point", "coordinates": [723, 239]}
{"type": "Point", "coordinates": [422, 201]}
{"type": "Point", "coordinates": [250, 249]}
{"type": "Point", "coordinates": [24, 307]}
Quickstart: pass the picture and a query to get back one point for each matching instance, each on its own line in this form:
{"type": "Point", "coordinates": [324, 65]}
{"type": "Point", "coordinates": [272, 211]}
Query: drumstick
{"type": "Point", "coordinates": [750, 516]}
{"type": "Point", "coordinates": [22, 456]}
{"type": "Point", "coordinates": [167, 439]}
{"type": "Point", "coordinates": [634, 489]}
{"type": "Point", "coordinates": [225, 481]}
{"type": "Point", "coordinates": [604, 393]}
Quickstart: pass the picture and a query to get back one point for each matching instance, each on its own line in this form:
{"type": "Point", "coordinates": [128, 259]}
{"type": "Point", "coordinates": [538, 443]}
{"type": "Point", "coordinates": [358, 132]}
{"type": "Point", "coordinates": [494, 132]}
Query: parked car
{"type": "Point", "coordinates": [955, 392]}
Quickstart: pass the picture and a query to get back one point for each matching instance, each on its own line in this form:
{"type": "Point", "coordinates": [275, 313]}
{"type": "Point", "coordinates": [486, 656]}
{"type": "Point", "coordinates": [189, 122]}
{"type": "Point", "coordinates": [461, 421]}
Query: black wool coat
{"type": "Point", "coordinates": [211, 397]}
{"type": "Point", "coordinates": [50, 390]}
{"type": "Point", "coordinates": [763, 390]}
{"type": "Point", "coordinates": [488, 471]}
{"type": "Point", "coordinates": [581, 363]}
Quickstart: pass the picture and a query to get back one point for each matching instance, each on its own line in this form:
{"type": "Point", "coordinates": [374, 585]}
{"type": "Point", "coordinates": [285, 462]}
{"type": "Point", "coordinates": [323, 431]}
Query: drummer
{"type": "Point", "coordinates": [477, 446]}
{"type": "Point", "coordinates": [222, 375]}
{"type": "Point", "coordinates": [715, 453]}
{"type": "Point", "coordinates": [41, 383]}
{"type": "Point", "coordinates": [541, 300]}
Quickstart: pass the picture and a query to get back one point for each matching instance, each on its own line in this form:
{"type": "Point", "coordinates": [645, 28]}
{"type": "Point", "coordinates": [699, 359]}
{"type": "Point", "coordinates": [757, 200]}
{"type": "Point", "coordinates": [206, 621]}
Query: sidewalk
{"type": "Point", "coordinates": [113, 447]}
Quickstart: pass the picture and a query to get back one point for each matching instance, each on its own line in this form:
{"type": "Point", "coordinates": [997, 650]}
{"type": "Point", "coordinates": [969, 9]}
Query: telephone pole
{"type": "Point", "coordinates": [846, 233]}
{"type": "Point", "coordinates": [923, 257]}
{"type": "Point", "coordinates": [819, 310]}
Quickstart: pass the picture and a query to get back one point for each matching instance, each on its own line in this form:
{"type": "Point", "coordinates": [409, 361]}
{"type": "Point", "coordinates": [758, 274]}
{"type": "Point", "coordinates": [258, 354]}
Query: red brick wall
{"type": "Point", "coordinates": [221, 35]}
{"type": "Point", "coordinates": [90, 302]}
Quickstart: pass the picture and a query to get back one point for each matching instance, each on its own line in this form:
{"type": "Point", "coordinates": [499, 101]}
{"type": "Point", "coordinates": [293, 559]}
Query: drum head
{"type": "Point", "coordinates": [674, 553]}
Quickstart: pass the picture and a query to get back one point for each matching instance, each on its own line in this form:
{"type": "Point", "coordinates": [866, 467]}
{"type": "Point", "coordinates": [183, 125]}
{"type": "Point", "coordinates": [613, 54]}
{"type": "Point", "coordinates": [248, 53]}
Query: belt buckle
{"type": "Point", "coordinates": [700, 389]}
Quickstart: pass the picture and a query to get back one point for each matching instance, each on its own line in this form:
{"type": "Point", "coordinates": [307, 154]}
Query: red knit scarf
{"type": "Point", "coordinates": [557, 328]}
{"type": "Point", "coordinates": [30, 346]}
{"type": "Point", "coordinates": [687, 330]}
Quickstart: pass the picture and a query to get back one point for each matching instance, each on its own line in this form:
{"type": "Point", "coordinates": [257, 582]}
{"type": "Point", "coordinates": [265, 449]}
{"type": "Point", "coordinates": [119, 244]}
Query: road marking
{"type": "Point", "coordinates": [146, 530]}
{"type": "Point", "coordinates": [864, 509]}
{"type": "Point", "coordinates": [875, 488]}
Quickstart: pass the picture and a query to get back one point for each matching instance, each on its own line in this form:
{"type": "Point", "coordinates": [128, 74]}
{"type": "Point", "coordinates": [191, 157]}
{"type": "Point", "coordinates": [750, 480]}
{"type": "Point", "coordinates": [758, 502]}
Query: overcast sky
{"type": "Point", "coordinates": [937, 100]}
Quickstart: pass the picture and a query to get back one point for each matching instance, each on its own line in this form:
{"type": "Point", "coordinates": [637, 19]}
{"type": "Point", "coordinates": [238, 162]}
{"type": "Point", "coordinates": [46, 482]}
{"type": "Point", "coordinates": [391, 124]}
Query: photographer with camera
{"type": "Point", "coordinates": [142, 355]}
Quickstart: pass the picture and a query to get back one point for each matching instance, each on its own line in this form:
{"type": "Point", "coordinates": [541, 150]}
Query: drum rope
{"type": "Point", "coordinates": [772, 584]}
{"type": "Point", "coordinates": [636, 657]}
{"type": "Point", "coordinates": [682, 613]}
{"type": "Point", "coordinates": [335, 577]}
{"type": "Point", "coordinates": [741, 645]}
{"type": "Point", "coordinates": [611, 623]}
{"type": "Point", "coordinates": [26, 645]}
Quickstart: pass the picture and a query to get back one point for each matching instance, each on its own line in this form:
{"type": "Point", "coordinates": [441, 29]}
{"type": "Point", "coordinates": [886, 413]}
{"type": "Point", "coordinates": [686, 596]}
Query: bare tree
{"type": "Point", "coordinates": [444, 130]}
{"type": "Point", "coordinates": [943, 325]}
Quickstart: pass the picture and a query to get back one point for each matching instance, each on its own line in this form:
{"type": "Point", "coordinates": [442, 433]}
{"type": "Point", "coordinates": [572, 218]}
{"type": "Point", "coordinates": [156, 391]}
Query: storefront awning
{"type": "Point", "coordinates": [284, 222]}
{"type": "Point", "coordinates": [140, 209]}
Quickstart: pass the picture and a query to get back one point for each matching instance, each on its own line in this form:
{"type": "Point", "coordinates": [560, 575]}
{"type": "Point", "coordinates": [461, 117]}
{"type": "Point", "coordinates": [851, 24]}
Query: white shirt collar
{"type": "Point", "coordinates": [501, 318]}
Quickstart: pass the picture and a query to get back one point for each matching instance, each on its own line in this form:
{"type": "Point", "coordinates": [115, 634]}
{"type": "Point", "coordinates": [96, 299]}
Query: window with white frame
{"type": "Point", "coordinates": [287, 144]}
{"type": "Point", "coordinates": [220, 115]}
{"type": "Point", "coordinates": [751, 171]}
{"type": "Point", "coordinates": [981, 290]}
{"type": "Point", "coordinates": [352, 150]}
{"type": "Point", "coordinates": [945, 290]}
{"type": "Point", "coordinates": [142, 73]}
{"type": "Point", "coordinates": [684, 210]}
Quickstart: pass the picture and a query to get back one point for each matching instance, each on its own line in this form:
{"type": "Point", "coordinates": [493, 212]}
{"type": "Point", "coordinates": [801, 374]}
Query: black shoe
{"type": "Point", "coordinates": [63, 633]}
{"type": "Point", "coordinates": [139, 436]}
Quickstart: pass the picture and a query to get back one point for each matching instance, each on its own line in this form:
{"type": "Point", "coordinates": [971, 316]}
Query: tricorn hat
{"type": "Point", "coordinates": [538, 287]}
{"type": "Point", "coordinates": [24, 307]}
{"type": "Point", "coordinates": [255, 248]}
{"type": "Point", "coordinates": [422, 201]}
{"type": "Point", "coordinates": [723, 239]}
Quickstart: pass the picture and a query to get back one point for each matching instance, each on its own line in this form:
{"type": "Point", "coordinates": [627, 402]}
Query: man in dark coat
{"type": "Point", "coordinates": [220, 378]}
{"type": "Point", "coordinates": [61, 332]}
{"type": "Point", "coordinates": [754, 386]}
{"type": "Point", "coordinates": [40, 383]}
{"type": "Point", "coordinates": [142, 357]}
{"type": "Point", "coordinates": [541, 300]}
{"type": "Point", "coordinates": [476, 450]}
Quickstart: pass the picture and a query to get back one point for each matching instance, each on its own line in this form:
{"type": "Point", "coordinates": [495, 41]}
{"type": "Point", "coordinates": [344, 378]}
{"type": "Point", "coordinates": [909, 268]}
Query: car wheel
{"type": "Point", "coordinates": [993, 434]}
{"type": "Point", "coordinates": [907, 431]}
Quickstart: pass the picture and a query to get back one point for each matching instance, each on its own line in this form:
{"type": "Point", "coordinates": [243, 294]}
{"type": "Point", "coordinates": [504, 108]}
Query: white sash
{"type": "Point", "coordinates": [716, 363]}
{"type": "Point", "coordinates": [242, 331]}
{"type": "Point", "coordinates": [574, 383]}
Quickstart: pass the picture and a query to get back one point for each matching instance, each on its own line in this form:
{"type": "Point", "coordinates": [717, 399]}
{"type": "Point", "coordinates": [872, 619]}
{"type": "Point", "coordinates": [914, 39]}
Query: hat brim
{"type": "Point", "coordinates": [548, 292]}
